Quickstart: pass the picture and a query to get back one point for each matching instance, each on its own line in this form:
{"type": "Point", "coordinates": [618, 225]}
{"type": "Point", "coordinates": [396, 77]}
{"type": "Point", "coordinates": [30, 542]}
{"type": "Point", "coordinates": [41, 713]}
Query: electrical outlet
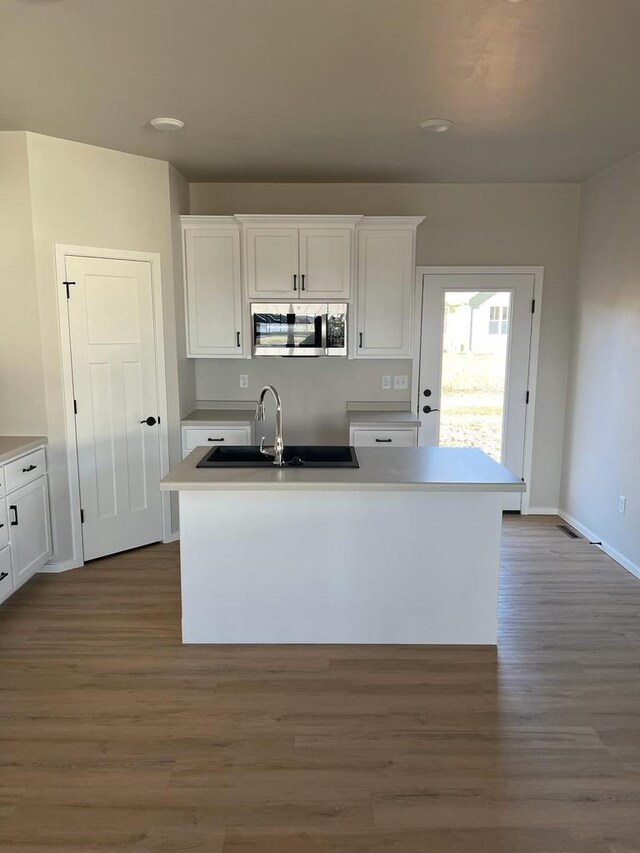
{"type": "Point", "coordinates": [244, 380]}
{"type": "Point", "coordinates": [622, 504]}
{"type": "Point", "coordinates": [386, 383]}
{"type": "Point", "coordinates": [400, 383]}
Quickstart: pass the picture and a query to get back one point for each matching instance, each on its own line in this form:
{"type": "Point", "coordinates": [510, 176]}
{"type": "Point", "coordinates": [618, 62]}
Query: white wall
{"type": "Point", "coordinates": [602, 441]}
{"type": "Point", "coordinates": [467, 224]}
{"type": "Point", "coordinates": [100, 198]}
{"type": "Point", "coordinates": [22, 409]}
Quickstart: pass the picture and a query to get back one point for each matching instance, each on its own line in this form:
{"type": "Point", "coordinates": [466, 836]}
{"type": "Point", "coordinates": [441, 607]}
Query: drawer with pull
{"type": "Point", "coordinates": [384, 437]}
{"type": "Point", "coordinates": [213, 437]}
{"type": "Point", "coordinates": [4, 523]}
{"type": "Point", "coordinates": [25, 469]}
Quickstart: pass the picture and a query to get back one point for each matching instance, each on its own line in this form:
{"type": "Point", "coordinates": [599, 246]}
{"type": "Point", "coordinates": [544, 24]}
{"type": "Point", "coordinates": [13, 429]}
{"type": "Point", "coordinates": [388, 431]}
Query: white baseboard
{"type": "Point", "coordinates": [171, 537]}
{"type": "Point", "coordinates": [610, 551]}
{"type": "Point", "coordinates": [541, 510]}
{"type": "Point", "coordinates": [56, 568]}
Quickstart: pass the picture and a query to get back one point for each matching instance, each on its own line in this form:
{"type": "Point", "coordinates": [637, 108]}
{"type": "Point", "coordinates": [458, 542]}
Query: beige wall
{"type": "Point", "coordinates": [94, 197]}
{"type": "Point", "coordinates": [602, 455]}
{"type": "Point", "coordinates": [22, 407]}
{"type": "Point", "coordinates": [467, 224]}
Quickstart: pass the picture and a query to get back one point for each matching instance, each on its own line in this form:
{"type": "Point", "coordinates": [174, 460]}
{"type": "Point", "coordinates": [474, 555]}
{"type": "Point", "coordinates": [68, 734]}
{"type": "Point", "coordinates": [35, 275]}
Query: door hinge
{"type": "Point", "coordinates": [81, 516]}
{"type": "Point", "coordinates": [533, 306]}
{"type": "Point", "coordinates": [75, 407]}
{"type": "Point", "coordinates": [526, 399]}
{"type": "Point", "coordinates": [68, 284]}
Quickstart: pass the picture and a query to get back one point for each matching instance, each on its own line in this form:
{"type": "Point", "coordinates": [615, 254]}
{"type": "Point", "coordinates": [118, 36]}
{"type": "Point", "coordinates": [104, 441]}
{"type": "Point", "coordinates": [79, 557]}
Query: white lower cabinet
{"type": "Point", "coordinates": [25, 524]}
{"type": "Point", "coordinates": [6, 573]}
{"type": "Point", "coordinates": [399, 437]}
{"type": "Point", "coordinates": [30, 528]}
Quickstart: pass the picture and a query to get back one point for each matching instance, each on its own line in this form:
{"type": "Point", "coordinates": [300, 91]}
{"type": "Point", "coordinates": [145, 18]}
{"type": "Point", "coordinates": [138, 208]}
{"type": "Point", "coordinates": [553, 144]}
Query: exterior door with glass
{"type": "Point", "coordinates": [474, 364]}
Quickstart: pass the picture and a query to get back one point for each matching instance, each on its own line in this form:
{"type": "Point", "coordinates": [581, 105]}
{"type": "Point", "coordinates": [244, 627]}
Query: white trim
{"type": "Point", "coordinates": [390, 221]}
{"type": "Point", "coordinates": [543, 510]}
{"type": "Point", "coordinates": [534, 349]}
{"type": "Point", "coordinates": [609, 550]}
{"type": "Point", "coordinates": [57, 568]}
{"type": "Point", "coordinates": [171, 537]}
{"type": "Point", "coordinates": [207, 221]}
{"type": "Point", "coordinates": [153, 259]}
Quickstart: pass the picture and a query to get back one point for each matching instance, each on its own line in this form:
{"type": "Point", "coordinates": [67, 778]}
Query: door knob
{"type": "Point", "coordinates": [427, 410]}
{"type": "Point", "coordinates": [151, 421]}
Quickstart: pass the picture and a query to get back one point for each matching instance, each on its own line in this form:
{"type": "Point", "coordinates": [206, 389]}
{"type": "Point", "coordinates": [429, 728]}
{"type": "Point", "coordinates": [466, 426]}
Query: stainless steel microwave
{"type": "Point", "coordinates": [299, 329]}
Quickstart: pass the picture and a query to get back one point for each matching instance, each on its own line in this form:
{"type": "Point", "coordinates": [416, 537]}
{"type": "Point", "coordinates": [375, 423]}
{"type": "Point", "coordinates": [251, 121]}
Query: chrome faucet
{"type": "Point", "coordinates": [277, 449]}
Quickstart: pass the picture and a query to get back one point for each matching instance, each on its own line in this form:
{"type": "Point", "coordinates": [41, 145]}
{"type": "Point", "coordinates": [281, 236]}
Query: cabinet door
{"type": "Point", "coordinates": [325, 262]}
{"type": "Point", "coordinates": [384, 437]}
{"type": "Point", "coordinates": [6, 575]}
{"type": "Point", "coordinates": [29, 528]}
{"type": "Point", "coordinates": [272, 262]}
{"type": "Point", "coordinates": [385, 293]}
{"type": "Point", "coordinates": [214, 292]}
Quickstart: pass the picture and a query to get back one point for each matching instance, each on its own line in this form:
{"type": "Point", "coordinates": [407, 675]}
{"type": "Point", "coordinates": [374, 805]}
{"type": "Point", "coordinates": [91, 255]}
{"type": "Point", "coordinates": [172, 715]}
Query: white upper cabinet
{"type": "Point", "coordinates": [213, 286]}
{"type": "Point", "coordinates": [386, 283]}
{"type": "Point", "coordinates": [296, 257]}
{"type": "Point", "coordinates": [325, 262]}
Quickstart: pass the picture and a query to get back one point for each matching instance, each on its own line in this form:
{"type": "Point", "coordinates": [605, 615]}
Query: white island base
{"type": "Point", "coordinates": [339, 567]}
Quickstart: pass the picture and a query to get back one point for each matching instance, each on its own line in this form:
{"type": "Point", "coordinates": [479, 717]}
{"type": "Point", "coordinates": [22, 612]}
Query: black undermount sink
{"type": "Point", "coordinates": [307, 456]}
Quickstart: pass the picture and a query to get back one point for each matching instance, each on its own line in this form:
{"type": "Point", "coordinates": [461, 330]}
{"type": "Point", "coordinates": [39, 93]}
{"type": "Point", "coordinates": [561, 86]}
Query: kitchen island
{"type": "Point", "coordinates": [403, 549]}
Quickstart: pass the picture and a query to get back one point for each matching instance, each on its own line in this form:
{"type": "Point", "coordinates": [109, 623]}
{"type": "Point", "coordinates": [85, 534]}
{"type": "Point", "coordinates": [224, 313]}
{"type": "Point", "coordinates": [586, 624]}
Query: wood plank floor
{"type": "Point", "coordinates": [114, 737]}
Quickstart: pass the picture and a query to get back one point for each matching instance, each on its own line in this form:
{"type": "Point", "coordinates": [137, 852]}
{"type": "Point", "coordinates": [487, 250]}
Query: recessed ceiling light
{"type": "Point", "coordinates": [436, 125]}
{"type": "Point", "coordinates": [166, 124]}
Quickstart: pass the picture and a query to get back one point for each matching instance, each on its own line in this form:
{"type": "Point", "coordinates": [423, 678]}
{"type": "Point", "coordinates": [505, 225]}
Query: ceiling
{"type": "Point", "coordinates": [332, 90]}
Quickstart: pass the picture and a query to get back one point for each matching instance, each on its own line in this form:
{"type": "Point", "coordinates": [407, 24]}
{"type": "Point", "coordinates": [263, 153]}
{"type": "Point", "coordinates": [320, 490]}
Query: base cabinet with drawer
{"type": "Point", "coordinates": [383, 437]}
{"type": "Point", "coordinates": [25, 525]}
{"type": "Point", "coordinates": [221, 435]}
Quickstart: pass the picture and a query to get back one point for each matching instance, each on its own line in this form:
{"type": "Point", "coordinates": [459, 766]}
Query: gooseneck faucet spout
{"type": "Point", "coordinates": [277, 449]}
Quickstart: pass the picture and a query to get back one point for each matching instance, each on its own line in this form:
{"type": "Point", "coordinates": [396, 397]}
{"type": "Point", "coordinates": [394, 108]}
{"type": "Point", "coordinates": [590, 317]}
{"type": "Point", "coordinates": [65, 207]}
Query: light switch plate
{"type": "Point", "coordinates": [244, 380]}
{"type": "Point", "coordinates": [400, 383]}
{"type": "Point", "coordinates": [386, 383]}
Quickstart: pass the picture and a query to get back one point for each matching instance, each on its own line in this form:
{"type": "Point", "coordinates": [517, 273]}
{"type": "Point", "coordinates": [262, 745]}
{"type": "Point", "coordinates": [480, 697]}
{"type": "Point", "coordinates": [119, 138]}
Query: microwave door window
{"type": "Point", "coordinates": [307, 331]}
{"type": "Point", "coordinates": [271, 330]}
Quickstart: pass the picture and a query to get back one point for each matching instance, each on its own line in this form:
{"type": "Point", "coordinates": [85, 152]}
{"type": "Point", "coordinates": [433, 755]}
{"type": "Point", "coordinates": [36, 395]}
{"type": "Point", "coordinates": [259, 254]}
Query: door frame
{"type": "Point", "coordinates": [534, 347]}
{"type": "Point", "coordinates": [62, 251]}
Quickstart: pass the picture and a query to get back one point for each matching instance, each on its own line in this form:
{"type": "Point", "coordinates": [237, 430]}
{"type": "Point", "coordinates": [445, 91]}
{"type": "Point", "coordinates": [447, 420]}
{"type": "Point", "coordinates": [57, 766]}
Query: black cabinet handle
{"type": "Point", "coordinates": [30, 468]}
{"type": "Point", "coordinates": [215, 439]}
{"type": "Point", "coordinates": [295, 281]}
{"type": "Point", "coordinates": [302, 281]}
{"type": "Point", "coordinates": [1, 526]}
{"type": "Point", "coordinates": [384, 440]}
{"type": "Point", "coordinates": [237, 338]}
{"type": "Point", "coordinates": [360, 338]}
{"type": "Point", "coordinates": [14, 521]}
{"type": "Point", "coordinates": [150, 421]}
{"type": "Point", "coordinates": [3, 575]}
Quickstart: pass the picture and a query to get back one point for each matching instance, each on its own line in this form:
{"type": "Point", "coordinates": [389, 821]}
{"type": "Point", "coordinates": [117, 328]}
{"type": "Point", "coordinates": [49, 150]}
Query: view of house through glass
{"type": "Point", "coordinates": [474, 367]}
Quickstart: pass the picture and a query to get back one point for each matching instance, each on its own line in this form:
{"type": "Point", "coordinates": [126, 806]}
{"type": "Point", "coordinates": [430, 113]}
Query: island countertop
{"type": "Point", "coordinates": [446, 469]}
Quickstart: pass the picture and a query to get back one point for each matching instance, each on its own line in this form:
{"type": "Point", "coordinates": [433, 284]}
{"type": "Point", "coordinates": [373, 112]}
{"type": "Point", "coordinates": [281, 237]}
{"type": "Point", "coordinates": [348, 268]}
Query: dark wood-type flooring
{"type": "Point", "coordinates": [115, 737]}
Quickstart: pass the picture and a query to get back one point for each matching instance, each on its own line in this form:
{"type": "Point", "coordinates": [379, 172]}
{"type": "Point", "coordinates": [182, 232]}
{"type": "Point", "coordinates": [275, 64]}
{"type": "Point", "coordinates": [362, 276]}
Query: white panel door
{"type": "Point", "coordinates": [474, 365]}
{"type": "Point", "coordinates": [325, 262]}
{"type": "Point", "coordinates": [214, 292]}
{"type": "Point", "coordinates": [272, 262]}
{"type": "Point", "coordinates": [111, 322]}
{"type": "Point", "coordinates": [385, 293]}
{"type": "Point", "coordinates": [30, 528]}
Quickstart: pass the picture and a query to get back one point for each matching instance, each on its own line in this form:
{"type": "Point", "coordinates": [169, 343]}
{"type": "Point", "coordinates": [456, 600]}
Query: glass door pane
{"type": "Point", "coordinates": [474, 368]}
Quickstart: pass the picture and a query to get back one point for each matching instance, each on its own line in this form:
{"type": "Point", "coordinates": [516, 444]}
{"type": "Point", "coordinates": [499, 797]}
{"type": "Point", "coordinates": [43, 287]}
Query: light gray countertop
{"type": "Point", "coordinates": [214, 417]}
{"type": "Point", "coordinates": [12, 446]}
{"type": "Point", "coordinates": [449, 469]}
{"type": "Point", "coordinates": [385, 418]}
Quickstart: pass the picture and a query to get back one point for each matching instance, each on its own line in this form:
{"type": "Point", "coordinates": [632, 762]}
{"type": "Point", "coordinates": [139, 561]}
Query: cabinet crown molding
{"type": "Point", "coordinates": [389, 221]}
{"type": "Point", "coordinates": [188, 221]}
{"type": "Point", "coordinates": [266, 219]}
